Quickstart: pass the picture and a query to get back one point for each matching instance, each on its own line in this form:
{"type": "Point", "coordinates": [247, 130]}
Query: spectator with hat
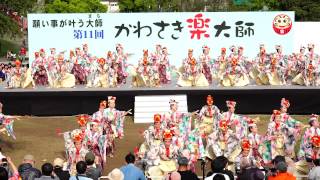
{"type": "Point", "coordinates": [115, 174]}
{"type": "Point", "coordinates": [183, 169]}
{"type": "Point", "coordinates": [27, 170]}
{"type": "Point", "coordinates": [58, 169]}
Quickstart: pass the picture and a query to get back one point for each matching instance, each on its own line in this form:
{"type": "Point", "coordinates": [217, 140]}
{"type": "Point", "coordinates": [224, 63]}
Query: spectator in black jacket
{"type": "Point", "coordinates": [184, 171]}
{"type": "Point", "coordinates": [218, 166]}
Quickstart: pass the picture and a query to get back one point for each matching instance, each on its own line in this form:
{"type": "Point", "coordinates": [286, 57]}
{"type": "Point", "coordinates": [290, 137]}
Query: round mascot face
{"type": "Point", "coordinates": [282, 24]}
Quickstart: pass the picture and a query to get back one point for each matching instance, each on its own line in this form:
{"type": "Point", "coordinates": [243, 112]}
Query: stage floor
{"type": "Point", "coordinates": [252, 99]}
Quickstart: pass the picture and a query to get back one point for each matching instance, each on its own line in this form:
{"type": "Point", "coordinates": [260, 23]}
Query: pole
{"type": "Point", "coordinates": [203, 165]}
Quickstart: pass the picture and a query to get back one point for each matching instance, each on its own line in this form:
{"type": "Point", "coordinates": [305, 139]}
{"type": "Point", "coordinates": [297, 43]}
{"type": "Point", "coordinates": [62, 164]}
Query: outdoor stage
{"type": "Point", "coordinates": [70, 101]}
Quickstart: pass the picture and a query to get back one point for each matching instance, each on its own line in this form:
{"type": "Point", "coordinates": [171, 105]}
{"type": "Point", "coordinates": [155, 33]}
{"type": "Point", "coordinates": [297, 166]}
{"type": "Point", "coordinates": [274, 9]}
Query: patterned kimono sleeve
{"type": "Point", "coordinates": [270, 131]}
{"type": "Point", "coordinates": [290, 132]}
{"type": "Point", "coordinates": [237, 161]}
{"type": "Point", "coordinates": [102, 144]}
{"type": "Point", "coordinates": [68, 143]}
{"type": "Point", "coordinates": [304, 145]}
{"type": "Point", "coordinates": [8, 125]}
{"type": "Point", "coordinates": [293, 122]}
{"type": "Point", "coordinates": [232, 143]}
{"type": "Point", "coordinates": [218, 114]}
{"type": "Point", "coordinates": [239, 127]}
{"type": "Point", "coordinates": [148, 135]}
{"type": "Point", "coordinates": [251, 138]}
{"type": "Point", "coordinates": [202, 151]}
{"type": "Point", "coordinates": [211, 138]}
{"type": "Point", "coordinates": [176, 152]}
{"type": "Point", "coordinates": [67, 139]}
{"type": "Point", "coordinates": [215, 145]}
{"type": "Point", "coordinates": [95, 115]}
{"type": "Point", "coordinates": [301, 152]}
{"type": "Point", "coordinates": [202, 111]}
{"type": "Point", "coordinates": [185, 125]}
{"type": "Point", "coordinates": [165, 119]}
{"type": "Point", "coordinates": [162, 151]}
{"type": "Point", "coordinates": [120, 119]}
{"type": "Point", "coordinates": [262, 139]}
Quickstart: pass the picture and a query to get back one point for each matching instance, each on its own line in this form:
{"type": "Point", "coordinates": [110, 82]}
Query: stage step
{"type": "Point", "coordinates": [146, 106]}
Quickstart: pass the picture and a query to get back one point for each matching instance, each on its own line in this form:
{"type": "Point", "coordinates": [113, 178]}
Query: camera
{"type": "Point", "coordinates": [4, 162]}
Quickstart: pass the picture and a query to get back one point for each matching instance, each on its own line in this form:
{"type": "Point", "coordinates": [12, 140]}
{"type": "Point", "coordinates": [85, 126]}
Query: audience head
{"type": "Point", "coordinates": [130, 158]}
{"type": "Point", "coordinates": [29, 159]}
{"type": "Point", "coordinates": [183, 163]}
{"type": "Point", "coordinates": [89, 158]}
{"type": "Point", "coordinates": [81, 167]}
{"type": "Point", "coordinates": [219, 164]}
{"type": "Point", "coordinates": [58, 163]}
{"type": "Point", "coordinates": [281, 167]}
{"type": "Point", "coordinates": [47, 169]}
{"type": "Point", "coordinates": [278, 159]}
{"type": "Point", "coordinates": [313, 120]}
{"type": "Point", "coordinates": [115, 174]}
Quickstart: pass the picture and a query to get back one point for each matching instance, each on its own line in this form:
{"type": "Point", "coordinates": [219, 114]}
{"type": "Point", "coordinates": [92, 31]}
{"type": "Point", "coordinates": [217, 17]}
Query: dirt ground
{"type": "Point", "coordinates": [37, 136]}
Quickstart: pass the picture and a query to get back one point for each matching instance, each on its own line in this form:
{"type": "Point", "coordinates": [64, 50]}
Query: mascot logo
{"type": "Point", "coordinates": [282, 24]}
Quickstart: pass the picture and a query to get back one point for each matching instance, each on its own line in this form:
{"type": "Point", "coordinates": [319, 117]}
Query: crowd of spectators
{"type": "Point", "coordinates": [91, 170]}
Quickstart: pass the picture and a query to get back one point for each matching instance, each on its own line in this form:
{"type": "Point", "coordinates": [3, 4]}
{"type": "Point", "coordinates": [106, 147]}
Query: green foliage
{"type": "Point", "coordinates": [305, 10]}
{"type": "Point", "coordinates": [8, 45]}
{"type": "Point", "coordinates": [8, 27]}
{"type": "Point", "coordinates": [161, 5]}
{"type": "Point", "coordinates": [138, 5]}
{"type": "Point", "coordinates": [75, 6]}
{"type": "Point", "coordinates": [22, 7]}
{"type": "Point", "coordinates": [260, 4]}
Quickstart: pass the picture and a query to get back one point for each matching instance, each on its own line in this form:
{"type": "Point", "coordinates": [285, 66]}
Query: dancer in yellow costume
{"type": "Point", "coordinates": [102, 74]}
{"type": "Point", "coordinates": [208, 117]}
{"type": "Point", "coordinates": [261, 62]}
{"type": "Point", "coordinates": [190, 73]}
{"type": "Point", "coordinates": [235, 74]}
{"type": "Point", "coordinates": [62, 79]}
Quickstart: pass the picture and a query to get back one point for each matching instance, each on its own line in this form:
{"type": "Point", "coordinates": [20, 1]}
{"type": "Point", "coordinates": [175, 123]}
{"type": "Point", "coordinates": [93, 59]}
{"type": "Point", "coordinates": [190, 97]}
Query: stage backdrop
{"type": "Point", "coordinates": [177, 31]}
{"type": "Point", "coordinates": [305, 33]}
